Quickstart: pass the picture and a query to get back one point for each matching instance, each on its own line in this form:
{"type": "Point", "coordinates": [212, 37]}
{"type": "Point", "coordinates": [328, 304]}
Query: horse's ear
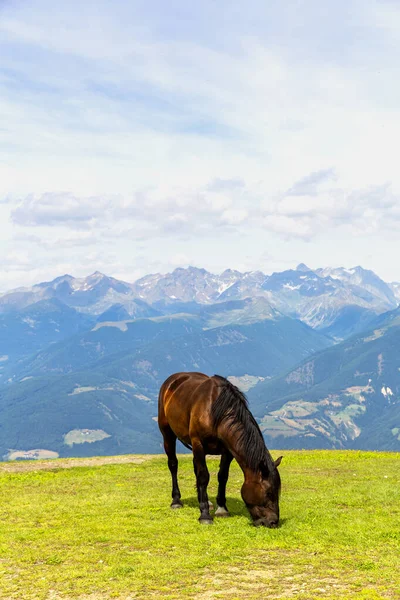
{"type": "Point", "coordinates": [277, 462]}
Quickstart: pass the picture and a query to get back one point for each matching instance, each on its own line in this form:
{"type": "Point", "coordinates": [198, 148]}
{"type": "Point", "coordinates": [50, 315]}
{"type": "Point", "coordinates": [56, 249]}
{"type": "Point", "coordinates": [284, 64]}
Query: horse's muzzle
{"type": "Point", "coordinates": [271, 523]}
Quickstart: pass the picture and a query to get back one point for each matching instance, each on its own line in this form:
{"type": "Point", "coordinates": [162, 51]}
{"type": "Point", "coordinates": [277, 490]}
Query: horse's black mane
{"type": "Point", "coordinates": [231, 406]}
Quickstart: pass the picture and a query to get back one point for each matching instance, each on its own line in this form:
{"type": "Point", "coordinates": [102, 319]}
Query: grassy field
{"type": "Point", "coordinates": [102, 528]}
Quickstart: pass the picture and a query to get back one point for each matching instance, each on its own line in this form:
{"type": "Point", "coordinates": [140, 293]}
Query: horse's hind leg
{"type": "Point", "coordinates": [210, 504]}
{"type": "Point", "coordinates": [202, 479]}
{"type": "Point", "coordinates": [223, 473]}
{"type": "Point", "coordinates": [170, 450]}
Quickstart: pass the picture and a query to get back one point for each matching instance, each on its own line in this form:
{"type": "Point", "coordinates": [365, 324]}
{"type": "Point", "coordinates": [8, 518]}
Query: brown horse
{"type": "Point", "coordinates": [210, 416]}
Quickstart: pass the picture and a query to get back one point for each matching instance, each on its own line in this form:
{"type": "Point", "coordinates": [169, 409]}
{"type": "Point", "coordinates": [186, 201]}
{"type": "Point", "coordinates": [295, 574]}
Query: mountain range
{"type": "Point", "coordinates": [346, 396]}
{"type": "Point", "coordinates": [82, 359]}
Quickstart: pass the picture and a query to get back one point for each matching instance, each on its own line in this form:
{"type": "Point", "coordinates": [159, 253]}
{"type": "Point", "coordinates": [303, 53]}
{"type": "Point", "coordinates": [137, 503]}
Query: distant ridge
{"type": "Point", "coordinates": [346, 396]}
{"type": "Point", "coordinates": [336, 300]}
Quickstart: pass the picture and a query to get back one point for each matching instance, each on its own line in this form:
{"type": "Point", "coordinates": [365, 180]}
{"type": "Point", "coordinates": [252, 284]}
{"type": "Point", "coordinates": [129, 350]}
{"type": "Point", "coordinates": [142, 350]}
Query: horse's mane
{"type": "Point", "coordinates": [231, 407]}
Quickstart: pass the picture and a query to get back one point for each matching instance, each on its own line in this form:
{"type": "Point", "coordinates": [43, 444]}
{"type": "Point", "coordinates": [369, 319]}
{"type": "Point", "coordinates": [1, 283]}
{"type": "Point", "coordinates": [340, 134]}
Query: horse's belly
{"type": "Point", "coordinates": [213, 446]}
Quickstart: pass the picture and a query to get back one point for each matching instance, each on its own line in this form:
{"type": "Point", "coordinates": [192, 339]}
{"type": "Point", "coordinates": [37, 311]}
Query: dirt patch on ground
{"type": "Point", "coordinates": [69, 463]}
{"type": "Point", "coordinates": [55, 596]}
{"type": "Point", "coordinates": [275, 577]}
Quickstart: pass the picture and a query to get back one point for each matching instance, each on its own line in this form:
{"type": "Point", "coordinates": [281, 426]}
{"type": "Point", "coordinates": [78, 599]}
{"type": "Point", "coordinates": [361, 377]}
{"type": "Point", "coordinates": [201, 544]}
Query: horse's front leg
{"type": "Point", "coordinates": [202, 479]}
{"type": "Point", "coordinates": [223, 473]}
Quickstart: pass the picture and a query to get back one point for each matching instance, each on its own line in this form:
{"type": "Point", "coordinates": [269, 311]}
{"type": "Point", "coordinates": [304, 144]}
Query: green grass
{"type": "Point", "coordinates": [108, 532]}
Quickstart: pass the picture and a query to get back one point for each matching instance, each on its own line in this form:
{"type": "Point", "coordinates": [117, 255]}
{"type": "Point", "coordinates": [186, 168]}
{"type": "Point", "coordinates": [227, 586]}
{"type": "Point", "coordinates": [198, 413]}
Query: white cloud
{"type": "Point", "coordinates": [234, 216]}
{"type": "Point", "coordinates": [288, 227]}
{"type": "Point", "coordinates": [196, 124]}
{"type": "Point", "coordinates": [61, 209]}
{"type": "Point", "coordinates": [311, 184]}
{"type": "Point", "coordinates": [182, 210]}
{"type": "Point", "coordinates": [179, 260]}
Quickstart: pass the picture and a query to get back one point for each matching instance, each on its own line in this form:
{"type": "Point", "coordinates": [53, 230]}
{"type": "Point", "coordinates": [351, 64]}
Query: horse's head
{"type": "Point", "coordinates": [261, 495]}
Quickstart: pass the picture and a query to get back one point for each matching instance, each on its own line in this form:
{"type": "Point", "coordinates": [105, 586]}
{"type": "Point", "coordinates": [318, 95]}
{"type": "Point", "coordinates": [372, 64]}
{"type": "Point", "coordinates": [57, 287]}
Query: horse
{"type": "Point", "coordinates": [210, 415]}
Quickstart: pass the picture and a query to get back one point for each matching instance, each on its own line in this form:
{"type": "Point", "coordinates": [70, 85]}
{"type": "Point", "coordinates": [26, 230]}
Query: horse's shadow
{"type": "Point", "coordinates": [234, 505]}
{"type": "Point", "coordinates": [236, 508]}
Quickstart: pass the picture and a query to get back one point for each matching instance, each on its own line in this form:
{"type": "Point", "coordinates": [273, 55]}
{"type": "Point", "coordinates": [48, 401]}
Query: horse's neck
{"type": "Point", "coordinates": [250, 474]}
{"type": "Point", "coordinates": [239, 455]}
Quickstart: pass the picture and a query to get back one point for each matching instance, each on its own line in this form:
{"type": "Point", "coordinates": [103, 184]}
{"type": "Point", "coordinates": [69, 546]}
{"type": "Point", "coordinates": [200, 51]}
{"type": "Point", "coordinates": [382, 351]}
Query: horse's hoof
{"type": "Point", "coordinates": [210, 505]}
{"type": "Point", "coordinates": [206, 521]}
{"type": "Point", "coordinates": [222, 512]}
{"type": "Point", "coordinates": [177, 505]}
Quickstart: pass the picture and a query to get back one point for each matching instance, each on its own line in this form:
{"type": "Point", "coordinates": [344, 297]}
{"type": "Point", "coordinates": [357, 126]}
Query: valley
{"type": "Point", "coordinates": [316, 352]}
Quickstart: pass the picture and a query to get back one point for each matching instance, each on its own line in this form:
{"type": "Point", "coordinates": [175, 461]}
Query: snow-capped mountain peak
{"type": "Point", "coordinates": [317, 297]}
{"type": "Point", "coordinates": [302, 267]}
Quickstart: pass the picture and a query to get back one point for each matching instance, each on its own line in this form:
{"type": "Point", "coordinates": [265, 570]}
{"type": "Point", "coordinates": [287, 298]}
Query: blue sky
{"type": "Point", "coordinates": [137, 136]}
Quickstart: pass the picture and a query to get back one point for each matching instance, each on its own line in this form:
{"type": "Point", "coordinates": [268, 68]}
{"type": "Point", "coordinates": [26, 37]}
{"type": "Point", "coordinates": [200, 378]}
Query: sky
{"type": "Point", "coordinates": [141, 136]}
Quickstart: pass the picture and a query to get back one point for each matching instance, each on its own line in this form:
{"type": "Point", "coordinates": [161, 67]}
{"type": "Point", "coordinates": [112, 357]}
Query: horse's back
{"type": "Point", "coordinates": [185, 401]}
